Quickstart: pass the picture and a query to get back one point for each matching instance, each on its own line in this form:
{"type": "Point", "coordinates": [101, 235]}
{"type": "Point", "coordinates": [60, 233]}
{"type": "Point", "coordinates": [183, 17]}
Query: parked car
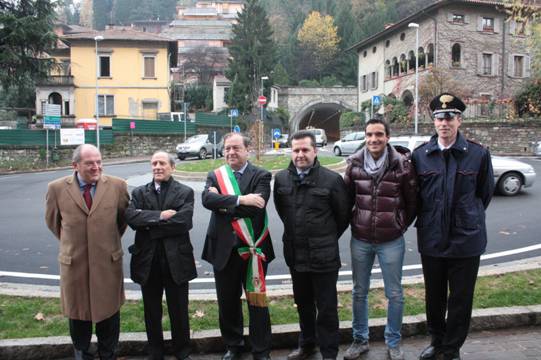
{"type": "Point", "coordinates": [348, 144]}
{"type": "Point", "coordinates": [510, 175]}
{"type": "Point", "coordinates": [537, 149]}
{"type": "Point", "coordinates": [283, 141]}
{"type": "Point", "coordinates": [321, 136]}
{"type": "Point", "coordinates": [197, 145]}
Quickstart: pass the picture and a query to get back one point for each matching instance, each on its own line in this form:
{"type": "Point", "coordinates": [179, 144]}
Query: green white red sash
{"type": "Point", "coordinates": [255, 276]}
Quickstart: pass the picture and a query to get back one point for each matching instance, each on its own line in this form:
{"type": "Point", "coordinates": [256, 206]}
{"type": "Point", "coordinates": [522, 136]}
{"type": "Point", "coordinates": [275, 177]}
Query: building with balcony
{"type": "Point", "coordinates": [472, 42]}
{"type": "Point", "coordinates": [130, 72]}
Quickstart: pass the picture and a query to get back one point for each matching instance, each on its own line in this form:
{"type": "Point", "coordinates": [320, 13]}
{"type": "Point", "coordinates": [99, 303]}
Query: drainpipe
{"type": "Point", "coordinates": [502, 73]}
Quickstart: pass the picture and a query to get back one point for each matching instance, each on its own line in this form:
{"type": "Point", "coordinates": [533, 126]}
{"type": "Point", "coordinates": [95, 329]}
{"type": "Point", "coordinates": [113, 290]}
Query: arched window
{"type": "Point", "coordinates": [422, 58]}
{"type": "Point", "coordinates": [403, 64]}
{"type": "Point", "coordinates": [455, 55]}
{"type": "Point", "coordinates": [388, 69]}
{"type": "Point", "coordinates": [55, 98]}
{"type": "Point", "coordinates": [430, 54]}
{"type": "Point", "coordinates": [411, 60]}
{"type": "Point", "coordinates": [395, 67]}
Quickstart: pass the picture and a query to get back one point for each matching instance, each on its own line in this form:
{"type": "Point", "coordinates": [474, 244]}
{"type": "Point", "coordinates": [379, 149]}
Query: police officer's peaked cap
{"type": "Point", "coordinates": [446, 102]}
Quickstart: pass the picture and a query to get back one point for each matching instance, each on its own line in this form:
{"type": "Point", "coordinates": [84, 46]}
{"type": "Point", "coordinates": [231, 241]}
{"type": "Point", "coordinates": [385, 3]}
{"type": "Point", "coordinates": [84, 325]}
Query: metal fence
{"type": "Point", "coordinates": [25, 137]}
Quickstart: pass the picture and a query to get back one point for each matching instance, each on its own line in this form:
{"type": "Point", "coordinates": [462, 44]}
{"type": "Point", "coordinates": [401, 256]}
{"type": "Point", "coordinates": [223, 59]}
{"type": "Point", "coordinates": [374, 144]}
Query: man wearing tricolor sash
{"type": "Point", "coordinates": [239, 247]}
{"type": "Point", "coordinates": [315, 207]}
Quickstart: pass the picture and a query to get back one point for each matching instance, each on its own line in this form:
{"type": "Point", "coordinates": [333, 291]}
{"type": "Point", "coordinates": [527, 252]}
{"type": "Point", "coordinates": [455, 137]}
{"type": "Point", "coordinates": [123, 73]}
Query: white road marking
{"type": "Point", "coordinates": [280, 277]}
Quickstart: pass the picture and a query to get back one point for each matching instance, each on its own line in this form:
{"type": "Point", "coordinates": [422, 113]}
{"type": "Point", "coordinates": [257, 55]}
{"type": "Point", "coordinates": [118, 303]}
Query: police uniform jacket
{"type": "Point", "coordinates": [455, 188]}
{"type": "Point", "coordinates": [315, 212]}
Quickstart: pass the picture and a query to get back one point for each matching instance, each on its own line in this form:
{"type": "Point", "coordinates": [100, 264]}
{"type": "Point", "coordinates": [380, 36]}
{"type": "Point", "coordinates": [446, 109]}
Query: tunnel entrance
{"type": "Point", "coordinates": [321, 116]}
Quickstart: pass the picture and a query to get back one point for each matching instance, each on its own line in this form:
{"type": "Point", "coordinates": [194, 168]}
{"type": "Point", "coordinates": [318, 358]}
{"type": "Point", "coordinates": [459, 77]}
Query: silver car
{"type": "Point", "coordinates": [197, 145]}
{"type": "Point", "coordinates": [348, 144]}
{"type": "Point", "coordinates": [510, 175]}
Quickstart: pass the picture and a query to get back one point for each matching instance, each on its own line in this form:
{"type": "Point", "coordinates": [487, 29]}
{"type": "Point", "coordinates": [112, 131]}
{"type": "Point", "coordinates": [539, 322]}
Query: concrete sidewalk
{"type": "Point", "coordinates": [515, 344]}
{"type": "Point", "coordinates": [209, 343]}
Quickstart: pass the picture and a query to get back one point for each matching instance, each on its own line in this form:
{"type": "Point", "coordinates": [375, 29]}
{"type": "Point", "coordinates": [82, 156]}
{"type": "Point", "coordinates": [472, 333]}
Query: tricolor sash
{"type": "Point", "coordinates": [255, 276]}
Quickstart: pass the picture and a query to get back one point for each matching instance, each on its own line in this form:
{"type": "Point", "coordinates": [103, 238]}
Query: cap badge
{"type": "Point", "coordinates": [445, 99]}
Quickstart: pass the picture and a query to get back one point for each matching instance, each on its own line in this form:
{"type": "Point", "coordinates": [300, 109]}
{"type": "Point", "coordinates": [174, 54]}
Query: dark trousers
{"type": "Point", "coordinates": [177, 306]}
{"type": "Point", "coordinates": [107, 332]}
{"type": "Point", "coordinates": [229, 285]}
{"type": "Point", "coordinates": [449, 285]}
{"type": "Point", "coordinates": [316, 299]}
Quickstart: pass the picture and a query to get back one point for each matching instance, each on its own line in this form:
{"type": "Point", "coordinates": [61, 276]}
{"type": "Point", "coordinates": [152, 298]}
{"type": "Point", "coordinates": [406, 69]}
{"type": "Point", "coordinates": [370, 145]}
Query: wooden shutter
{"type": "Point", "coordinates": [480, 63]}
{"type": "Point", "coordinates": [512, 27]}
{"type": "Point", "coordinates": [511, 65]}
{"type": "Point", "coordinates": [479, 23]}
{"type": "Point", "coordinates": [497, 25]}
{"type": "Point", "coordinates": [527, 70]}
{"type": "Point", "coordinates": [495, 65]}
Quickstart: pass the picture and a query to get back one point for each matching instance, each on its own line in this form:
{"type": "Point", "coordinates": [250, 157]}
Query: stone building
{"type": "Point", "coordinates": [471, 42]}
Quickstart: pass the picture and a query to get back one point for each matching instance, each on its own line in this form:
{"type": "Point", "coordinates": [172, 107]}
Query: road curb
{"type": "Point", "coordinates": [283, 336]}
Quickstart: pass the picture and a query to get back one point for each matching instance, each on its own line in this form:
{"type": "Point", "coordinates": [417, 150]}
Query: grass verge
{"type": "Point", "coordinates": [269, 162]}
{"type": "Point", "coordinates": [22, 317]}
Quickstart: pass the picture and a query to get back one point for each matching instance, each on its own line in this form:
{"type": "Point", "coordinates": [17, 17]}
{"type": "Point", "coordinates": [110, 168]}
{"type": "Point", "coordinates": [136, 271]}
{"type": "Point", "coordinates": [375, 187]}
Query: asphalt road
{"type": "Point", "coordinates": [27, 247]}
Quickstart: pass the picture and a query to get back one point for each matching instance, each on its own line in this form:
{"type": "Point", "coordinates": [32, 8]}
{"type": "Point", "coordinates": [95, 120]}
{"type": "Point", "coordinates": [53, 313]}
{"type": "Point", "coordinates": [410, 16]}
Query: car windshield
{"type": "Point", "coordinates": [195, 138]}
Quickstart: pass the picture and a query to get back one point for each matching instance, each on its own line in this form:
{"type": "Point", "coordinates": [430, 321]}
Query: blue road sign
{"type": "Point", "coordinates": [276, 133]}
{"type": "Point", "coordinates": [236, 129]}
{"type": "Point", "coordinates": [51, 122]}
{"type": "Point", "coordinates": [234, 112]}
{"type": "Point", "coordinates": [376, 100]}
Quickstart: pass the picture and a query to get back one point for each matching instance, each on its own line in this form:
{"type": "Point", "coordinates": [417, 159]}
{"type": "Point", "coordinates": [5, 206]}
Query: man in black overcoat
{"type": "Point", "coordinates": [162, 256]}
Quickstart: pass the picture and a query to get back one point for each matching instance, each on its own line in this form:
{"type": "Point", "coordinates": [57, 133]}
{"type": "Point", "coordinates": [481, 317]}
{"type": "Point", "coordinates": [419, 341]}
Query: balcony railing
{"type": "Point", "coordinates": [57, 80]}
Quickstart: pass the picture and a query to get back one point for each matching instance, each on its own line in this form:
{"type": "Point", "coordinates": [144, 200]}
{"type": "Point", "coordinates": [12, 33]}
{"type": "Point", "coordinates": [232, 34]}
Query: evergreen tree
{"type": "Point", "coordinates": [102, 11]}
{"type": "Point", "coordinates": [26, 36]}
{"type": "Point", "coordinates": [252, 53]}
{"type": "Point", "coordinates": [279, 75]}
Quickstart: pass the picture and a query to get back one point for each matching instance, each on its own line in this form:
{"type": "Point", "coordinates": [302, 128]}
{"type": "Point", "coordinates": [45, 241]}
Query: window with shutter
{"type": "Point", "coordinates": [149, 67]}
{"type": "Point", "coordinates": [518, 66]}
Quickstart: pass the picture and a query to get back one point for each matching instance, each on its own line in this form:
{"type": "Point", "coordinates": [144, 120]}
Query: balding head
{"type": "Point", "coordinates": [86, 160]}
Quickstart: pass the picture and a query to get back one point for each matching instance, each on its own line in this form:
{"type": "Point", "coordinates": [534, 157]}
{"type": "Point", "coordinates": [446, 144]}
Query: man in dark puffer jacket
{"type": "Point", "coordinates": [315, 207]}
{"type": "Point", "coordinates": [382, 180]}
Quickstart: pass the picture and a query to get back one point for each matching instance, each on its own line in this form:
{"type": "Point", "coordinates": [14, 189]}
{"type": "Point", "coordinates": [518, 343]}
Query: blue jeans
{"type": "Point", "coordinates": [391, 257]}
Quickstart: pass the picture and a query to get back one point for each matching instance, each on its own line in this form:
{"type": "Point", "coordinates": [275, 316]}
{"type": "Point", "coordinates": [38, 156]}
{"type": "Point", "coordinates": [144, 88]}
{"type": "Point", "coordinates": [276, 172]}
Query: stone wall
{"type": "Point", "coordinates": [503, 138]}
{"type": "Point", "coordinates": [124, 146]}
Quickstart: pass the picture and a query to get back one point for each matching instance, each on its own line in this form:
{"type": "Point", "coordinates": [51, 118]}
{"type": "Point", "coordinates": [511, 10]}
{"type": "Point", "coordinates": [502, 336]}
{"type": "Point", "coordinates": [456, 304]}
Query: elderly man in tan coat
{"type": "Point", "coordinates": [85, 211]}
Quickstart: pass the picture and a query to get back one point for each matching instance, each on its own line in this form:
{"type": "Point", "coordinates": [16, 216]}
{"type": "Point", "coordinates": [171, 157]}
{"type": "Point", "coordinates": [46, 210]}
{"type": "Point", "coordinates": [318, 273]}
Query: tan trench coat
{"type": "Point", "coordinates": [90, 254]}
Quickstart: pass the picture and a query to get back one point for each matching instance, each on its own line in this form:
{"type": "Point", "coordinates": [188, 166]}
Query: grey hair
{"type": "Point", "coordinates": [76, 156]}
{"type": "Point", "coordinates": [170, 157]}
{"type": "Point", "coordinates": [245, 139]}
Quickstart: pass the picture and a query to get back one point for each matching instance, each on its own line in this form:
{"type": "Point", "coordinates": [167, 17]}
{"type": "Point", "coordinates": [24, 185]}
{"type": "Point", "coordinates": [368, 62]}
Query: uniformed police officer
{"type": "Point", "coordinates": [456, 184]}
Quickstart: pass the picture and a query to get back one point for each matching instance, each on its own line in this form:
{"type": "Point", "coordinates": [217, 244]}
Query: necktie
{"type": "Point", "coordinates": [159, 189]}
{"type": "Point", "coordinates": [302, 175]}
{"type": "Point", "coordinates": [237, 175]}
{"type": "Point", "coordinates": [88, 196]}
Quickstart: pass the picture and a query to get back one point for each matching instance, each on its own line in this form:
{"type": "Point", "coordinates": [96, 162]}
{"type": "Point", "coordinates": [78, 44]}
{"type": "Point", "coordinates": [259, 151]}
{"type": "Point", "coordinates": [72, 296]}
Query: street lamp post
{"type": "Point", "coordinates": [416, 26]}
{"type": "Point", "coordinates": [96, 39]}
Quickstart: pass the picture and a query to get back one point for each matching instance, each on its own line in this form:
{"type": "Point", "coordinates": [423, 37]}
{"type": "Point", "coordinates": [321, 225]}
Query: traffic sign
{"type": "Point", "coordinates": [276, 133]}
{"type": "Point", "coordinates": [234, 112]}
{"type": "Point", "coordinates": [51, 122]}
{"type": "Point", "coordinates": [262, 100]}
{"type": "Point", "coordinates": [236, 129]}
{"type": "Point", "coordinates": [376, 100]}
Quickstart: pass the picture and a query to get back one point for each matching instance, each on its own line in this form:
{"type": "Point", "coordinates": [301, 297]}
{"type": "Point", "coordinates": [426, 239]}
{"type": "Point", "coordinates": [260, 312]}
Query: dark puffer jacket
{"type": "Point", "coordinates": [384, 210]}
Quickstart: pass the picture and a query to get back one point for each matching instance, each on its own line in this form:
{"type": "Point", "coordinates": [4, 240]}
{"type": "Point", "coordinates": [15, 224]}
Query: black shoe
{"type": "Point", "coordinates": [82, 355]}
{"type": "Point", "coordinates": [452, 356]}
{"type": "Point", "coordinates": [429, 353]}
{"type": "Point", "coordinates": [302, 352]}
{"type": "Point", "coordinates": [231, 355]}
{"type": "Point", "coordinates": [261, 357]}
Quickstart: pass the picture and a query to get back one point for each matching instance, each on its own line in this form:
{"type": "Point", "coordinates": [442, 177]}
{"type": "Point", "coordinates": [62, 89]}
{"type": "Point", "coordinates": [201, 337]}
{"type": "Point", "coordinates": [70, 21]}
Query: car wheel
{"type": "Point", "coordinates": [510, 184]}
{"type": "Point", "coordinates": [203, 153]}
{"type": "Point", "coordinates": [337, 151]}
{"type": "Point", "coordinates": [181, 157]}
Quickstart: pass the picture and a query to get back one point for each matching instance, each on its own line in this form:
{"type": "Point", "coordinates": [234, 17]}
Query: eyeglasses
{"type": "Point", "coordinates": [448, 115]}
